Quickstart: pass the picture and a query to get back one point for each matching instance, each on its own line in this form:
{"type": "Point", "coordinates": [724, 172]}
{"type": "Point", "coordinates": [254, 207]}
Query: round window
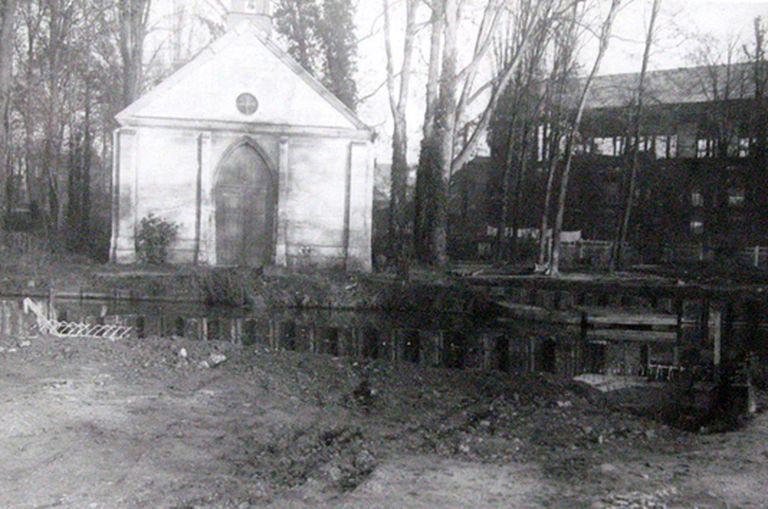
{"type": "Point", "coordinates": [247, 104]}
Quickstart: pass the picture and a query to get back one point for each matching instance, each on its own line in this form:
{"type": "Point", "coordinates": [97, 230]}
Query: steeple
{"type": "Point", "coordinates": [255, 11]}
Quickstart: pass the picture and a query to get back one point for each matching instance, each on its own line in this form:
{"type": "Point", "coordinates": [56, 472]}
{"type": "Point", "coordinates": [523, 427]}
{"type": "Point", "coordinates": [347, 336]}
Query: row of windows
{"type": "Point", "coordinates": [661, 146]}
{"type": "Point", "coordinates": [736, 197]}
{"type": "Point", "coordinates": [708, 147]}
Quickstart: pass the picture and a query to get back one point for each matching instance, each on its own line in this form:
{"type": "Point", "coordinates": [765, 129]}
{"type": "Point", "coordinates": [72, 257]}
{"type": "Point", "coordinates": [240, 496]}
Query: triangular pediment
{"type": "Point", "coordinates": [243, 61]}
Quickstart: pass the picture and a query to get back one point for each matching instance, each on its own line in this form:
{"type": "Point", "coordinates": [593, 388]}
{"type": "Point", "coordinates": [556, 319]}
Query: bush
{"type": "Point", "coordinates": [154, 236]}
{"type": "Point", "coordinates": [226, 286]}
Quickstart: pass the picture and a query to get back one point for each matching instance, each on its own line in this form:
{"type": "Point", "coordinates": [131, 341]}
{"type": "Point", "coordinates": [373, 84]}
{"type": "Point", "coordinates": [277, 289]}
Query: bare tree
{"type": "Point", "coordinates": [133, 18]}
{"type": "Point", "coordinates": [449, 111]}
{"type": "Point", "coordinates": [7, 11]}
{"type": "Point", "coordinates": [398, 102]}
{"type": "Point", "coordinates": [563, 67]}
{"type": "Point", "coordinates": [423, 211]}
{"type": "Point", "coordinates": [603, 41]}
{"type": "Point", "coordinates": [621, 237]}
{"type": "Point", "coordinates": [759, 121]}
{"type": "Point", "coordinates": [514, 124]}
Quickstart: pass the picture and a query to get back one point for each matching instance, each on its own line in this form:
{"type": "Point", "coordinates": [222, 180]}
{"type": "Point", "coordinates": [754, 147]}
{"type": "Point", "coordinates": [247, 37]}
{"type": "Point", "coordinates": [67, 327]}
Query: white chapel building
{"type": "Point", "coordinates": [255, 160]}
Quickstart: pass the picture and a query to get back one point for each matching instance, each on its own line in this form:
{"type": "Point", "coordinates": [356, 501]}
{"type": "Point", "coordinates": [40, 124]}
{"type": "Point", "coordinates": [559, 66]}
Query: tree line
{"type": "Point", "coordinates": [530, 109]}
{"type": "Point", "coordinates": [67, 67]}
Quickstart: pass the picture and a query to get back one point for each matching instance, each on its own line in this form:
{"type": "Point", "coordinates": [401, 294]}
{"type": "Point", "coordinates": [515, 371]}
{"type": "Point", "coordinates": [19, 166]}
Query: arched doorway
{"type": "Point", "coordinates": [245, 202]}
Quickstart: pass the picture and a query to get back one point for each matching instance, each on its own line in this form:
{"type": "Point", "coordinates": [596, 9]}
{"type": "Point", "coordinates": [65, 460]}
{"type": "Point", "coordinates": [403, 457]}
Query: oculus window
{"type": "Point", "coordinates": [247, 104]}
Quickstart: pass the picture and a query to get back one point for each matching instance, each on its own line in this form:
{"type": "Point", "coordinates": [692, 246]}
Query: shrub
{"type": "Point", "coordinates": [226, 286]}
{"type": "Point", "coordinates": [154, 236]}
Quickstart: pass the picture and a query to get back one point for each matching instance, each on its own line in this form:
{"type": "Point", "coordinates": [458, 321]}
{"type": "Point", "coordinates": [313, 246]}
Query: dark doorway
{"type": "Point", "coordinates": [548, 356]}
{"type": "Point", "coordinates": [245, 203]}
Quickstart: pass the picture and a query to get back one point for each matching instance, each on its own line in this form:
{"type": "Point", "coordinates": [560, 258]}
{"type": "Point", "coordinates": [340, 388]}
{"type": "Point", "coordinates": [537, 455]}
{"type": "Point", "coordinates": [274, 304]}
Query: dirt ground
{"type": "Point", "coordinates": [134, 424]}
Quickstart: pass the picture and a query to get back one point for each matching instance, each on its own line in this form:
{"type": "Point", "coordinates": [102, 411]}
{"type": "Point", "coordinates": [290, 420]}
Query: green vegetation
{"type": "Point", "coordinates": [153, 239]}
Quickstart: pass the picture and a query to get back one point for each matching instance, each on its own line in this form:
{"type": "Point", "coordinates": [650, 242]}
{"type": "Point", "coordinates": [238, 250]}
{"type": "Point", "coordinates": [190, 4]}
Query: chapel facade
{"type": "Point", "coordinates": [250, 155]}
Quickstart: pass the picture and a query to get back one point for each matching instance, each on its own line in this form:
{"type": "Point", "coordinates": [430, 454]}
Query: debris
{"type": "Point", "coordinates": [63, 329]}
{"type": "Point", "coordinates": [183, 353]}
{"type": "Point", "coordinates": [216, 358]}
{"type": "Point", "coordinates": [608, 469]}
{"type": "Point", "coordinates": [25, 344]}
{"type": "Point", "coordinates": [564, 404]}
{"type": "Point", "coordinates": [365, 461]}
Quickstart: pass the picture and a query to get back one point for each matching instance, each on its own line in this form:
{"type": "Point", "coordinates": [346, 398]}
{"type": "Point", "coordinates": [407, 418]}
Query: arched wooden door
{"type": "Point", "coordinates": [245, 204]}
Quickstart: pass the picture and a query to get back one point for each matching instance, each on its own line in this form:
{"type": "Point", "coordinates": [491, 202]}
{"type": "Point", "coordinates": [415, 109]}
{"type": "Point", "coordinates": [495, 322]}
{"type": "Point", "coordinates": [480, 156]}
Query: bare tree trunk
{"type": "Point", "coordinates": [760, 78]}
{"type": "Point", "coordinates": [85, 171]}
{"type": "Point", "coordinates": [505, 188]}
{"type": "Point", "coordinates": [448, 110]}
{"type": "Point", "coordinates": [445, 119]}
{"type": "Point", "coordinates": [133, 16]}
{"type": "Point", "coordinates": [518, 189]}
{"type": "Point", "coordinates": [556, 91]}
{"type": "Point", "coordinates": [621, 238]}
{"type": "Point", "coordinates": [544, 253]}
{"type": "Point", "coordinates": [605, 35]}
{"type": "Point", "coordinates": [398, 104]}
{"type": "Point", "coordinates": [7, 11]}
{"type": "Point", "coordinates": [423, 217]}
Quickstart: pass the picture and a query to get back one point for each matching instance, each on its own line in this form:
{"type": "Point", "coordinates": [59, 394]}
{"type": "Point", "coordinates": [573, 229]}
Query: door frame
{"type": "Point", "coordinates": [274, 182]}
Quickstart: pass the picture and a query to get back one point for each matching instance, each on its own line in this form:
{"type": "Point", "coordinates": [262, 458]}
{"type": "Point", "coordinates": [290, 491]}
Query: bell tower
{"type": "Point", "coordinates": [255, 11]}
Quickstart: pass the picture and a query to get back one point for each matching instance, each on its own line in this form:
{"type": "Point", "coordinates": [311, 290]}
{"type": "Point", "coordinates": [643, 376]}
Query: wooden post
{"type": "Point", "coordinates": [312, 333]}
{"type": "Point", "coordinates": [488, 350]}
{"type": "Point", "coordinates": [51, 302]}
{"type": "Point", "coordinates": [198, 200]}
{"type": "Point", "coordinates": [754, 315]}
{"type": "Point", "coordinates": [715, 332]}
{"type": "Point", "coordinates": [678, 330]}
{"type": "Point", "coordinates": [581, 368]}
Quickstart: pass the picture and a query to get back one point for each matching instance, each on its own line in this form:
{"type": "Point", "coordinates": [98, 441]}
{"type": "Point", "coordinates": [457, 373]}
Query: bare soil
{"type": "Point", "coordinates": [133, 424]}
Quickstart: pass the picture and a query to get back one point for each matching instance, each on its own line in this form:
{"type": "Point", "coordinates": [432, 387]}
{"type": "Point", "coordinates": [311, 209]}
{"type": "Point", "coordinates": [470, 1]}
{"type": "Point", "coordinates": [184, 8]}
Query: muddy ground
{"type": "Point", "coordinates": [135, 424]}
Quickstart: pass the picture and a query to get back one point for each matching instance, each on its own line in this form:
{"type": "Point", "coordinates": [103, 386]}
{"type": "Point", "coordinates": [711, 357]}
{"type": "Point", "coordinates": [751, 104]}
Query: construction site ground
{"type": "Point", "coordinates": [172, 423]}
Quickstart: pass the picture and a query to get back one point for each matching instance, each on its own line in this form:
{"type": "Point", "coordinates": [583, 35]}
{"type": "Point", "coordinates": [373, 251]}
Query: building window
{"type": "Point", "coordinates": [661, 146]}
{"type": "Point", "coordinates": [247, 104]}
{"type": "Point", "coordinates": [672, 146]}
{"type": "Point", "coordinates": [618, 146]}
{"type": "Point", "coordinates": [743, 147]}
{"type": "Point", "coordinates": [736, 197]}
{"type": "Point", "coordinates": [697, 199]}
{"type": "Point", "coordinates": [697, 227]}
{"type": "Point", "coordinates": [702, 148]}
{"type": "Point", "coordinates": [665, 147]}
{"type": "Point", "coordinates": [603, 146]}
{"type": "Point", "coordinates": [708, 147]}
